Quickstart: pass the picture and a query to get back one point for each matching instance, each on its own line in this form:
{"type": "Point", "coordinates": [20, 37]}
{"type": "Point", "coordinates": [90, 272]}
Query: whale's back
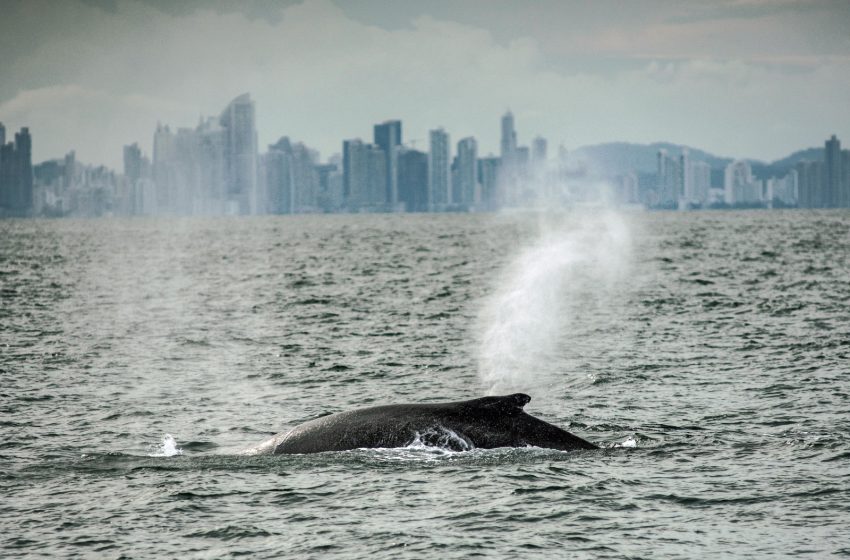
{"type": "Point", "coordinates": [486, 422]}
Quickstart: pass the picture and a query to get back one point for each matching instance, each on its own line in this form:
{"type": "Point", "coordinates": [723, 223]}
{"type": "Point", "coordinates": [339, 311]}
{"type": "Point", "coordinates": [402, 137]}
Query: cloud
{"type": "Point", "coordinates": [96, 123]}
{"type": "Point", "coordinates": [92, 79]}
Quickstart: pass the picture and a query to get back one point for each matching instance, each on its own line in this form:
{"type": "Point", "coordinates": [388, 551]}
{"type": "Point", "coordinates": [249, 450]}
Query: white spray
{"type": "Point", "coordinates": [168, 447]}
{"type": "Point", "coordinates": [573, 267]}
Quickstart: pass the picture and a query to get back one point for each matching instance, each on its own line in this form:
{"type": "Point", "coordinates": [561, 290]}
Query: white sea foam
{"type": "Point", "coordinates": [168, 447]}
{"type": "Point", "coordinates": [628, 442]}
{"type": "Point", "coordinates": [440, 438]}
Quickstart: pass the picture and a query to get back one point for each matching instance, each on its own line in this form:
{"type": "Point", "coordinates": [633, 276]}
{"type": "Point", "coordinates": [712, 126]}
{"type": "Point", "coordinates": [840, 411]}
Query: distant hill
{"type": "Point", "coordinates": [783, 166]}
{"type": "Point", "coordinates": [616, 158]}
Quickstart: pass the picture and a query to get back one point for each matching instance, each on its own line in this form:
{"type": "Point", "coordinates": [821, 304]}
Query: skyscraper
{"type": "Point", "coordinates": [739, 185]}
{"type": "Point", "coordinates": [305, 178]}
{"type": "Point", "coordinates": [845, 183]}
{"type": "Point", "coordinates": [211, 138]}
{"type": "Point", "coordinates": [810, 180]}
{"type": "Point", "coordinates": [538, 152]}
{"type": "Point", "coordinates": [508, 144]}
{"type": "Point", "coordinates": [833, 179]}
{"type": "Point", "coordinates": [140, 195]}
{"type": "Point", "coordinates": [700, 181]}
{"type": "Point", "coordinates": [488, 178]}
{"type": "Point", "coordinates": [669, 180]}
{"type": "Point", "coordinates": [132, 175]}
{"type": "Point", "coordinates": [349, 161]}
{"type": "Point", "coordinates": [328, 187]}
{"type": "Point", "coordinates": [240, 143]}
{"type": "Point", "coordinates": [364, 175]}
{"type": "Point", "coordinates": [164, 168]}
{"type": "Point", "coordinates": [463, 190]}
{"type": "Point", "coordinates": [686, 195]}
{"type": "Point", "coordinates": [16, 175]}
{"type": "Point", "coordinates": [23, 147]}
{"type": "Point", "coordinates": [782, 191]}
{"type": "Point", "coordinates": [387, 136]}
{"type": "Point", "coordinates": [413, 180]}
{"type": "Point", "coordinates": [439, 172]}
{"type": "Point", "coordinates": [277, 163]}
{"type": "Point", "coordinates": [291, 178]}
{"type": "Point", "coordinates": [512, 170]}
{"type": "Point", "coordinates": [376, 179]}
{"type": "Point", "coordinates": [8, 178]}
{"type": "Point", "coordinates": [5, 154]}
{"type": "Point", "coordinates": [132, 162]}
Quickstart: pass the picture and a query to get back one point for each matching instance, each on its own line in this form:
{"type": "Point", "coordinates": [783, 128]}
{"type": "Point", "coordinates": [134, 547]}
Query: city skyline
{"type": "Point", "coordinates": [729, 78]}
{"type": "Point", "coordinates": [217, 168]}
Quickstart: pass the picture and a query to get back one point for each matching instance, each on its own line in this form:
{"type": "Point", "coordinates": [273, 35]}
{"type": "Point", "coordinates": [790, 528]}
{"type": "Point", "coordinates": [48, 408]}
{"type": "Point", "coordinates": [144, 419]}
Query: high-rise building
{"type": "Point", "coordinates": [352, 173]}
{"type": "Point", "coordinates": [203, 170]}
{"type": "Point", "coordinates": [5, 157]}
{"type": "Point", "coordinates": [364, 176]}
{"type": "Point", "coordinates": [439, 172]}
{"type": "Point", "coordinates": [669, 180]}
{"type": "Point", "coordinates": [387, 136]}
{"type": "Point", "coordinates": [508, 143]}
{"type": "Point", "coordinates": [413, 180]}
{"type": "Point", "coordinates": [685, 181]}
{"type": "Point", "coordinates": [782, 191]}
{"type": "Point", "coordinates": [810, 183]}
{"type": "Point", "coordinates": [833, 178]}
{"type": "Point", "coordinates": [305, 177]}
{"type": "Point", "coordinates": [844, 198]}
{"type": "Point", "coordinates": [186, 187]}
{"type": "Point", "coordinates": [140, 193]}
{"type": "Point", "coordinates": [16, 174]}
{"type": "Point", "coordinates": [70, 169]}
{"type": "Point", "coordinates": [626, 188]}
{"type": "Point", "coordinates": [211, 139]}
{"type": "Point", "coordinates": [488, 178]}
{"type": "Point", "coordinates": [23, 147]}
{"type": "Point", "coordinates": [700, 181]}
{"type": "Point", "coordinates": [176, 170]}
{"type": "Point", "coordinates": [8, 176]}
{"type": "Point", "coordinates": [164, 168]}
{"type": "Point", "coordinates": [464, 188]}
{"type": "Point", "coordinates": [277, 164]}
{"type": "Point", "coordinates": [522, 158]}
{"type": "Point", "coordinates": [132, 162]}
{"type": "Point", "coordinates": [538, 152]}
{"type": "Point", "coordinates": [240, 148]}
{"type": "Point", "coordinates": [739, 185]}
{"type": "Point", "coordinates": [514, 165]}
{"type": "Point", "coordinates": [291, 178]}
{"type": "Point", "coordinates": [328, 187]}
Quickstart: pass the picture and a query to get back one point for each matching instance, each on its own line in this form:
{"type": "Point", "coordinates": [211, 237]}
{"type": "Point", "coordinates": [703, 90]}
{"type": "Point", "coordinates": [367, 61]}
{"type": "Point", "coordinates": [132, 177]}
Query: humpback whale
{"type": "Point", "coordinates": [487, 422]}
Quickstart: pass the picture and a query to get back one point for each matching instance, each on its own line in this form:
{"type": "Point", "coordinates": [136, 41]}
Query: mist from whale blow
{"type": "Point", "coordinates": [576, 257]}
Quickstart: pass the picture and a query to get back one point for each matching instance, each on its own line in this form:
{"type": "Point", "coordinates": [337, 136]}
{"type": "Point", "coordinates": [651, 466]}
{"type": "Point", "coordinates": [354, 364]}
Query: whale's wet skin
{"type": "Point", "coordinates": [713, 377]}
{"type": "Point", "coordinates": [485, 423]}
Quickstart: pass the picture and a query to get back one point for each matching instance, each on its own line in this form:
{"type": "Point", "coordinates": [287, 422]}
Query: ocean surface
{"type": "Point", "coordinates": [707, 353]}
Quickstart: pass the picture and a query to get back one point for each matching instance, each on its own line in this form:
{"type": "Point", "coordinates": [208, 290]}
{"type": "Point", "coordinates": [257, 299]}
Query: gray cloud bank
{"type": "Point", "coordinates": [743, 78]}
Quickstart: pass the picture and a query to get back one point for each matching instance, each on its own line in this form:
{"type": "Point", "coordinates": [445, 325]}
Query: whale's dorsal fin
{"type": "Point", "coordinates": [508, 404]}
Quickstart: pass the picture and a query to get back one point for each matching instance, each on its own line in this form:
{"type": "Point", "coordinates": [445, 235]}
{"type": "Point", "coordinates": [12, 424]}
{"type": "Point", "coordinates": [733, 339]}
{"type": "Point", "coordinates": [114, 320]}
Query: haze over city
{"type": "Point", "coordinates": [741, 79]}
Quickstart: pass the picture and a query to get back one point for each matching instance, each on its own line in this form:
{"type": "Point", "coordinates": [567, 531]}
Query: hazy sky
{"type": "Point", "coordinates": [745, 78]}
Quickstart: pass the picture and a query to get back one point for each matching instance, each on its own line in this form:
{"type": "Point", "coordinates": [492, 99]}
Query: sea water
{"type": "Point", "coordinates": [706, 353]}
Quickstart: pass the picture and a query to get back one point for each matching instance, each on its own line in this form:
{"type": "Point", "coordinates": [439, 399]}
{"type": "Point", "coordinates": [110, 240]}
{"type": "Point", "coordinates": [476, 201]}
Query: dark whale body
{"type": "Point", "coordinates": [486, 423]}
